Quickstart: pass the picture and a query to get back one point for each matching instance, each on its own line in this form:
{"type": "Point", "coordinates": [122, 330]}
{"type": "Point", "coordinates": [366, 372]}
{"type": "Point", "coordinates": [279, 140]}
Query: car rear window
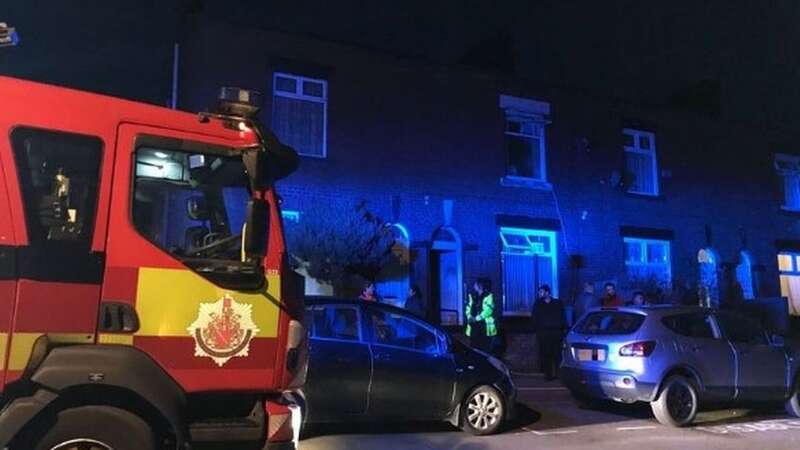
{"type": "Point", "coordinates": [610, 322]}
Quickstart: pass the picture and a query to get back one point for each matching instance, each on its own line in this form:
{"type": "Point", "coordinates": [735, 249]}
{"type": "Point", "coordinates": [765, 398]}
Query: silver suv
{"type": "Point", "coordinates": [677, 357]}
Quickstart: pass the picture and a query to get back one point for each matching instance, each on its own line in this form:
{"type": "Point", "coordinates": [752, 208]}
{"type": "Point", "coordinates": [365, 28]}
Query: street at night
{"type": "Point", "coordinates": [551, 420]}
{"type": "Point", "coordinates": [416, 225]}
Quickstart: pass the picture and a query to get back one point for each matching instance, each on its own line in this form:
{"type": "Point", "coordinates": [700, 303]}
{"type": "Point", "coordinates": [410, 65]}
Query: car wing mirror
{"type": "Point", "coordinates": [776, 340]}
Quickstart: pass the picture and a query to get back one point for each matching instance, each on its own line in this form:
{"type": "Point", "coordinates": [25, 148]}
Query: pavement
{"type": "Point", "coordinates": [549, 419]}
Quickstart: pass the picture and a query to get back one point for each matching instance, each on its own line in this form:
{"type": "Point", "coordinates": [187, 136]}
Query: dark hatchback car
{"type": "Point", "coordinates": [370, 361]}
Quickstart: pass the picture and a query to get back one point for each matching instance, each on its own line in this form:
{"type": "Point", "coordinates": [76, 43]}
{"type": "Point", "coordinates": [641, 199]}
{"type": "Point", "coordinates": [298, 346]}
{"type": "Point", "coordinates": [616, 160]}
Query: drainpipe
{"type": "Point", "coordinates": [175, 57]}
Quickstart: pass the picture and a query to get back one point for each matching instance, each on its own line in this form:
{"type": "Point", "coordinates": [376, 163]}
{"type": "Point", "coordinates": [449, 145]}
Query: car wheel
{"type": "Point", "coordinates": [793, 402]}
{"type": "Point", "coordinates": [483, 411]}
{"type": "Point", "coordinates": [93, 428]}
{"type": "Point", "coordinates": [676, 406]}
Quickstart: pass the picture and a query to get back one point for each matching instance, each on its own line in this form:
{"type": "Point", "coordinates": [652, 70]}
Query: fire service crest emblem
{"type": "Point", "coordinates": [223, 330]}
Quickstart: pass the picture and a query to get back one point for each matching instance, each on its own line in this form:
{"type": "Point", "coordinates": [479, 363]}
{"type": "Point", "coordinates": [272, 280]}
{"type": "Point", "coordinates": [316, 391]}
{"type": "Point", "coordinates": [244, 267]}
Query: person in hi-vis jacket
{"type": "Point", "coordinates": [480, 312]}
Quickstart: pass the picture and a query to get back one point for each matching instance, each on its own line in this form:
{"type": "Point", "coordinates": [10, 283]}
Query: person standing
{"type": "Point", "coordinates": [368, 292]}
{"type": "Point", "coordinates": [480, 311]}
{"type": "Point", "coordinates": [637, 299]}
{"type": "Point", "coordinates": [415, 304]}
{"type": "Point", "coordinates": [550, 325]}
{"type": "Point", "coordinates": [610, 298]}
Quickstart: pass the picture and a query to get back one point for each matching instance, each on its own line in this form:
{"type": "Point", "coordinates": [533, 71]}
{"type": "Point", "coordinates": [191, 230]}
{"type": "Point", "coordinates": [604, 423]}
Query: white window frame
{"type": "Point", "coordinates": [535, 112]}
{"type": "Point", "coordinates": [298, 95]}
{"type": "Point", "coordinates": [643, 242]}
{"type": "Point", "coordinates": [516, 249]}
{"type": "Point", "coordinates": [650, 152]}
{"type": "Point", "coordinates": [793, 271]}
{"type": "Point", "coordinates": [785, 166]}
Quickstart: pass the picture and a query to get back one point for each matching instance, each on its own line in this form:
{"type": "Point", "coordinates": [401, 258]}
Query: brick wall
{"type": "Point", "coordinates": [422, 133]}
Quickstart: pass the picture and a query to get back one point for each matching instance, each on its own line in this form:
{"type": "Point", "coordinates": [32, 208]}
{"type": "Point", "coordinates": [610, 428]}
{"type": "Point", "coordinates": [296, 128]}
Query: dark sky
{"type": "Point", "coordinates": [743, 53]}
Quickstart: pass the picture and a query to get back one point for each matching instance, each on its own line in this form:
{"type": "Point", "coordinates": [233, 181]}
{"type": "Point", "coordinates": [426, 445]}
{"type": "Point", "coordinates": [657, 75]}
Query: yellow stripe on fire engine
{"type": "Point", "coordinates": [168, 302]}
{"type": "Point", "coordinates": [22, 345]}
{"type": "Point", "coordinates": [120, 339]}
{"type": "Point", "coordinates": [3, 342]}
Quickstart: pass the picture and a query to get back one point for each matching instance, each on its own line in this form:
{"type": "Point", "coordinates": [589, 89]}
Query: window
{"type": "Point", "coordinates": [610, 322]}
{"type": "Point", "coordinates": [525, 122]}
{"type": "Point", "coordinates": [336, 322]}
{"type": "Point", "coordinates": [788, 168]}
{"type": "Point", "coordinates": [648, 258]}
{"type": "Point", "coordinates": [59, 175]}
{"type": "Point", "coordinates": [399, 331]}
{"type": "Point", "coordinates": [193, 206]}
{"type": "Point", "coordinates": [529, 259]}
{"type": "Point", "coordinates": [300, 113]}
{"type": "Point", "coordinates": [525, 148]}
{"type": "Point", "coordinates": [789, 269]}
{"type": "Point", "coordinates": [741, 330]}
{"type": "Point", "coordinates": [59, 180]}
{"type": "Point", "coordinates": [393, 280]}
{"type": "Point", "coordinates": [744, 275]}
{"type": "Point", "coordinates": [690, 325]}
{"type": "Point", "coordinates": [640, 161]}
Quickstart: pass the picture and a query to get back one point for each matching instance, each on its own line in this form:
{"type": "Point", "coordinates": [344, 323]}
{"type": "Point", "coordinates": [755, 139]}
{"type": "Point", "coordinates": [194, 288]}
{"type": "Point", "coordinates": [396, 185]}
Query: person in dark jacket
{"type": "Point", "coordinates": [415, 304]}
{"type": "Point", "coordinates": [550, 324]}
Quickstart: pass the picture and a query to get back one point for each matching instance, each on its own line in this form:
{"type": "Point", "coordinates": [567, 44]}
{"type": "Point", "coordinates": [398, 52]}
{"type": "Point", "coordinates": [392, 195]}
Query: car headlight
{"type": "Point", "coordinates": [499, 365]}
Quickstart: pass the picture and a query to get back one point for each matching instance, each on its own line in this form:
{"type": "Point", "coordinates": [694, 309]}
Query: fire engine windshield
{"type": "Point", "coordinates": [192, 205]}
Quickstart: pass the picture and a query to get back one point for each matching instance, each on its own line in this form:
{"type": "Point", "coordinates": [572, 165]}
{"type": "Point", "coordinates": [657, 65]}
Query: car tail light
{"type": "Point", "coordinates": [641, 349]}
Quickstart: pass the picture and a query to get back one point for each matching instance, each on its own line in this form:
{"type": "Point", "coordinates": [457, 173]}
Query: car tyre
{"type": "Point", "coordinates": [483, 411]}
{"type": "Point", "coordinates": [677, 404]}
{"type": "Point", "coordinates": [793, 402]}
{"type": "Point", "coordinates": [91, 427]}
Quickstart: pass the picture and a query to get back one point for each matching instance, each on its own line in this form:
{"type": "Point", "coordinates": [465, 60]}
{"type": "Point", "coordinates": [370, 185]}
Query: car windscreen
{"type": "Point", "coordinates": [610, 322]}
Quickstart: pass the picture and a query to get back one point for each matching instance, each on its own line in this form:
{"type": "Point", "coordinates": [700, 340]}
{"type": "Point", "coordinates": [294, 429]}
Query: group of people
{"type": "Point", "coordinates": [550, 320]}
{"type": "Point", "coordinates": [548, 316]}
{"type": "Point", "coordinates": [414, 303]}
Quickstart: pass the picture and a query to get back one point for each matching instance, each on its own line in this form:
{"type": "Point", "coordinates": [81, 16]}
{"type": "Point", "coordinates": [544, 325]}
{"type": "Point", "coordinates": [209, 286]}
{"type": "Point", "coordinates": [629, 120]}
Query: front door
{"type": "Point", "coordinates": [340, 364]}
{"type": "Point", "coordinates": [413, 374]}
{"type": "Point", "coordinates": [761, 367]}
{"type": "Point", "coordinates": [59, 260]}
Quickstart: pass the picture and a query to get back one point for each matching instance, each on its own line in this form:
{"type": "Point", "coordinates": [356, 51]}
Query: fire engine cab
{"type": "Point", "coordinates": [145, 299]}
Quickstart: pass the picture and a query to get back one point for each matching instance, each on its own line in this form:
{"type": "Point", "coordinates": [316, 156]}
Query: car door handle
{"type": "Point", "coordinates": [383, 357]}
{"type": "Point", "coordinates": [345, 360]}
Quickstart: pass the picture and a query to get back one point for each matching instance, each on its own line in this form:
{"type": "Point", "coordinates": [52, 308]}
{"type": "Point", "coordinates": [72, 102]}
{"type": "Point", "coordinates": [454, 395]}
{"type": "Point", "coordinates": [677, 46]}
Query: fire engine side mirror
{"type": "Point", "coordinates": [256, 229]}
{"type": "Point", "coordinates": [274, 162]}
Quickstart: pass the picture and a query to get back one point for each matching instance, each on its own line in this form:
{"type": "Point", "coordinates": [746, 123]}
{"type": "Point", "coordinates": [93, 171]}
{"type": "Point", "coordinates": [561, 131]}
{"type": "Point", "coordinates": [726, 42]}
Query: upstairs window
{"type": "Point", "coordinates": [524, 133]}
{"type": "Point", "coordinates": [648, 258]}
{"type": "Point", "coordinates": [300, 113]}
{"type": "Point", "coordinates": [524, 138]}
{"type": "Point", "coordinates": [640, 162]}
{"type": "Point", "coordinates": [788, 168]}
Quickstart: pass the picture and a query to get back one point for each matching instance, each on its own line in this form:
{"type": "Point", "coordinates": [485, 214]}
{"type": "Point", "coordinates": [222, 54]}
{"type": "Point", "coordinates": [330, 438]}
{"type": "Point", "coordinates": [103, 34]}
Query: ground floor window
{"type": "Point", "coordinates": [393, 280]}
{"type": "Point", "coordinates": [529, 260]}
{"type": "Point", "coordinates": [648, 258]}
{"type": "Point", "coordinates": [789, 267]}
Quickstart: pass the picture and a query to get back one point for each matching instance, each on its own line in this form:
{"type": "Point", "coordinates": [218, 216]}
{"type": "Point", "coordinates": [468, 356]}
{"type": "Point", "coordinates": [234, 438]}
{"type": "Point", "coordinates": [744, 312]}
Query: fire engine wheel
{"type": "Point", "coordinates": [97, 428]}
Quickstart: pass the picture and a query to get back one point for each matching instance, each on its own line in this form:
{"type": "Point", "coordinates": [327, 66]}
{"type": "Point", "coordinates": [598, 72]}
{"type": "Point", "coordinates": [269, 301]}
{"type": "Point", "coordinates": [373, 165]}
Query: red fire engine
{"type": "Point", "coordinates": [145, 300]}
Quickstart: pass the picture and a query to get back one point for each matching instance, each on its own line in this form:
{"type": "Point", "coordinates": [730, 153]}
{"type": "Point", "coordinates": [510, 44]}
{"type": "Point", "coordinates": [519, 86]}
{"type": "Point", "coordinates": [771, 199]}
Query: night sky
{"type": "Point", "coordinates": [732, 57]}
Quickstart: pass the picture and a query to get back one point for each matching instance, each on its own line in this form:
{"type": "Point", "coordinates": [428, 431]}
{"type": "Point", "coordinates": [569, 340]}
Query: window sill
{"type": "Point", "coordinates": [530, 183]}
{"type": "Point", "coordinates": [659, 197]}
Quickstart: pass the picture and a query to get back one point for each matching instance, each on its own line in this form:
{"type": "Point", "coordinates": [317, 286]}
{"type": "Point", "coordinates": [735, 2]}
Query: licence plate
{"type": "Point", "coordinates": [591, 354]}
